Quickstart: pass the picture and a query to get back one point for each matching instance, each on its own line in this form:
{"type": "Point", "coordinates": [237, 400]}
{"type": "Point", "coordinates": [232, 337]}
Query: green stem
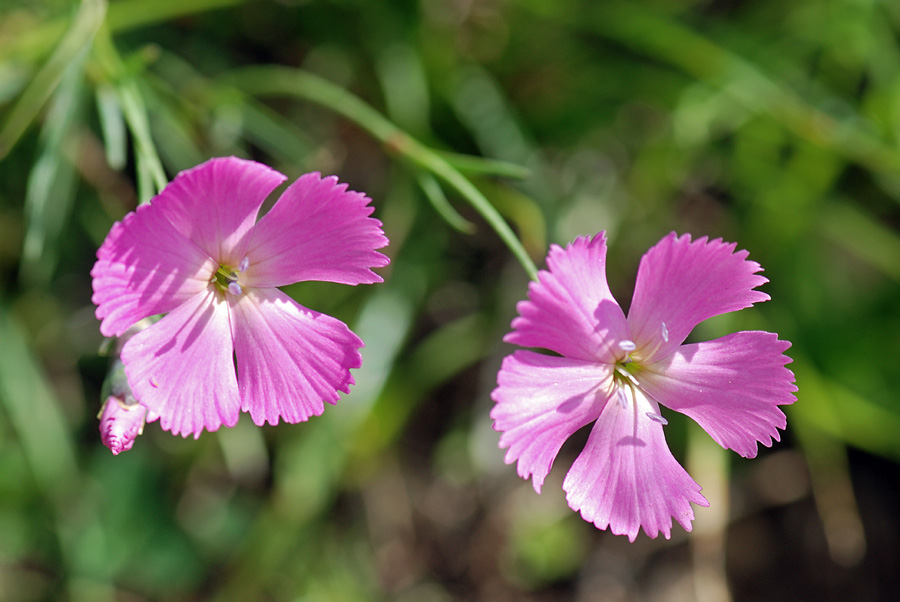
{"type": "Point", "coordinates": [275, 80]}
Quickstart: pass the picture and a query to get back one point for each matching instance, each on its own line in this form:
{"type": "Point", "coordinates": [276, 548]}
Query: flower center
{"type": "Point", "coordinates": [227, 278]}
{"type": "Point", "coordinates": [626, 384]}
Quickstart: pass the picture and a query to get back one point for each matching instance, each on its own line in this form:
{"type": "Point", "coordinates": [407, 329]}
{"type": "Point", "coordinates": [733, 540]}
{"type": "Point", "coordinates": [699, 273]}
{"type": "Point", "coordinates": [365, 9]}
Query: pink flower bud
{"type": "Point", "coordinates": [120, 424]}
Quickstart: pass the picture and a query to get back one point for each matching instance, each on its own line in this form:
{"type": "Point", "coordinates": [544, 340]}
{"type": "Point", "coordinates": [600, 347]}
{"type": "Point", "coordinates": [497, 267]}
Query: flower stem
{"type": "Point", "coordinates": [276, 80]}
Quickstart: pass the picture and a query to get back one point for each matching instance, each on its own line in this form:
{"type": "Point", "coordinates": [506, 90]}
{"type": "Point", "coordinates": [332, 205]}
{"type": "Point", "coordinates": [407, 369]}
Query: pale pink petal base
{"type": "Point", "coordinates": [289, 359]}
{"type": "Point", "coordinates": [182, 367]}
{"type": "Point", "coordinates": [681, 283]}
{"type": "Point", "coordinates": [570, 310]}
{"type": "Point", "coordinates": [731, 386]}
{"type": "Point", "coordinates": [626, 478]}
{"type": "Point", "coordinates": [541, 401]}
{"type": "Point", "coordinates": [318, 230]}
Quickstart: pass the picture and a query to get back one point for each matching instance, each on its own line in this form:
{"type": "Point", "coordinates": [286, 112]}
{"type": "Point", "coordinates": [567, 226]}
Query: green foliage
{"type": "Point", "coordinates": [483, 131]}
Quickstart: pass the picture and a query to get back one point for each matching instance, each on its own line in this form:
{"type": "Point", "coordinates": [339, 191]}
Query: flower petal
{"type": "Point", "coordinates": [290, 359]}
{"type": "Point", "coordinates": [216, 203]}
{"type": "Point", "coordinates": [316, 231]}
{"type": "Point", "coordinates": [627, 479]}
{"type": "Point", "coordinates": [145, 267]}
{"type": "Point", "coordinates": [570, 310]}
{"type": "Point", "coordinates": [541, 401]}
{"type": "Point", "coordinates": [182, 367]}
{"type": "Point", "coordinates": [681, 283]}
{"type": "Point", "coordinates": [731, 386]}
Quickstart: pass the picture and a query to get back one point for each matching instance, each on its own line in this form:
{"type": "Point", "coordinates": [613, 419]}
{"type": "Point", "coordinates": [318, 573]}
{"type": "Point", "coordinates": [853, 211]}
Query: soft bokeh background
{"type": "Point", "coordinates": [773, 124]}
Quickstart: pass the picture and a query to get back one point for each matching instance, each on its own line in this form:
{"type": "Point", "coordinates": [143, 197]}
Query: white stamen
{"type": "Point", "coordinates": [627, 345]}
{"type": "Point", "coordinates": [665, 333]}
{"type": "Point", "coordinates": [234, 288]}
{"type": "Point", "coordinates": [657, 418]}
{"type": "Point", "coordinates": [623, 401]}
{"type": "Point", "coordinates": [245, 263]}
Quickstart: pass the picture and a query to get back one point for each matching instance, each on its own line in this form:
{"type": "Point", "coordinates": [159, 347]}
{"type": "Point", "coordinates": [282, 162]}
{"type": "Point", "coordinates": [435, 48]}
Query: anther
{"type": "Point", "coordinates": [627, 345]}
{"type": "Point", "coordinates": [623, 401]}
{"type": "Point", "coordinates": [245, 263]}
{"type": "Point", "coordinates": [657, 418]}
{"type": "Point", "coordinates": [234, 288]}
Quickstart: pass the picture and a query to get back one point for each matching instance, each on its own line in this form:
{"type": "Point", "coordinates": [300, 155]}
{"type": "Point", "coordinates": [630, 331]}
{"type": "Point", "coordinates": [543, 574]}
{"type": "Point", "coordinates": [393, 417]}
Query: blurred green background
{"type": "Point", "coordinates": [773, 124]}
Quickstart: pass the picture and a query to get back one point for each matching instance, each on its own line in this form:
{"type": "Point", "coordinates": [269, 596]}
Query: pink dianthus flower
{"type": "Point", "coordinates": [616, 372]}
{"type": "Point", "coordinates": [230, 340]}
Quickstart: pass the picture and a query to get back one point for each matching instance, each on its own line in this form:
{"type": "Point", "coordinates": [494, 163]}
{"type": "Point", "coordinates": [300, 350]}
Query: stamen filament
{"type": "Point", "coordinates": [621, 371]}
{"type": "Point", "coordinates": [623, 401]}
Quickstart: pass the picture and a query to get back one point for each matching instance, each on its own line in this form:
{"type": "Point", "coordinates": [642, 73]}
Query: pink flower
{"type": "Point", "coordinates": [229, 339]}
{"type": "Point", "coordinates": [617, 371]}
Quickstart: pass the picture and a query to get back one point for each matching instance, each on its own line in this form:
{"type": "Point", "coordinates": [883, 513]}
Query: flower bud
{"type": "Point", "coordinates": [120, 424]}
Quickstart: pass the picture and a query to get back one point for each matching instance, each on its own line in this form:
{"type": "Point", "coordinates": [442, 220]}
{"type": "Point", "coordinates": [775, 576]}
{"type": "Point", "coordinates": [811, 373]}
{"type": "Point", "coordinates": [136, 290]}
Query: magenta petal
{"type": "Point", "coordinates": [120, 424]}
{"type": "Point", "coordinates": [570, 310]}
{"type": "Point", "coordinates": [681, 283]}
{"type": "Point", "coordinates": [317, 231]}
{"type": "Point", "coordinates": [541, 401]}
{"type": "Point", "coordinates": [731, 386]}
{"type": "Point", "coordinates": [216, 203]}
{"type": "Point", "coordinates": [182, 367]}
{"type": "Point", "coordinates": [627, 479]}
{"type": "Point", "coordinates": [290, 359]}
{"type": "Point", "coordinates": [144, 268]}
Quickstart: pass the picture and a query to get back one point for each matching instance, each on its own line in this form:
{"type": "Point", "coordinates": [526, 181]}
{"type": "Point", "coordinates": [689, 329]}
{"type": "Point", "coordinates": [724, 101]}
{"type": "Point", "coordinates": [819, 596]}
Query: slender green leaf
{"type": "Point", "coordinates": [84, 27]}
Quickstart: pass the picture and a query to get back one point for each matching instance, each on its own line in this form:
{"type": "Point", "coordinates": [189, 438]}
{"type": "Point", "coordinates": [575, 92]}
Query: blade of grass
{"type": "Point", "coordinates": [661, 37]}
{"type": "Point", "coordinates": [51, 182]}
{"type": "Point", "coordinates": [832, 487]}
{"type": "Point", "coordinates": [122, 15]}
{"type": "Point", "coordinates": [112, 124]}
{"type": "Point", "coordinates": [134, 109]}
{"type": "Point", "coordinates": [844, 414]}
{"type": "Point", "coordinates": [439, 202]}
{"type": "Point", "coordinates": [130, 14]}
{"type": "Point", "coordinates": [34, 412]}
{"type": "Point", "coordinates": [869, 240]}
{"type": "Point", "coordinates": [84, 27]}
{"type": "Point", "coordinates": [469, 164]}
